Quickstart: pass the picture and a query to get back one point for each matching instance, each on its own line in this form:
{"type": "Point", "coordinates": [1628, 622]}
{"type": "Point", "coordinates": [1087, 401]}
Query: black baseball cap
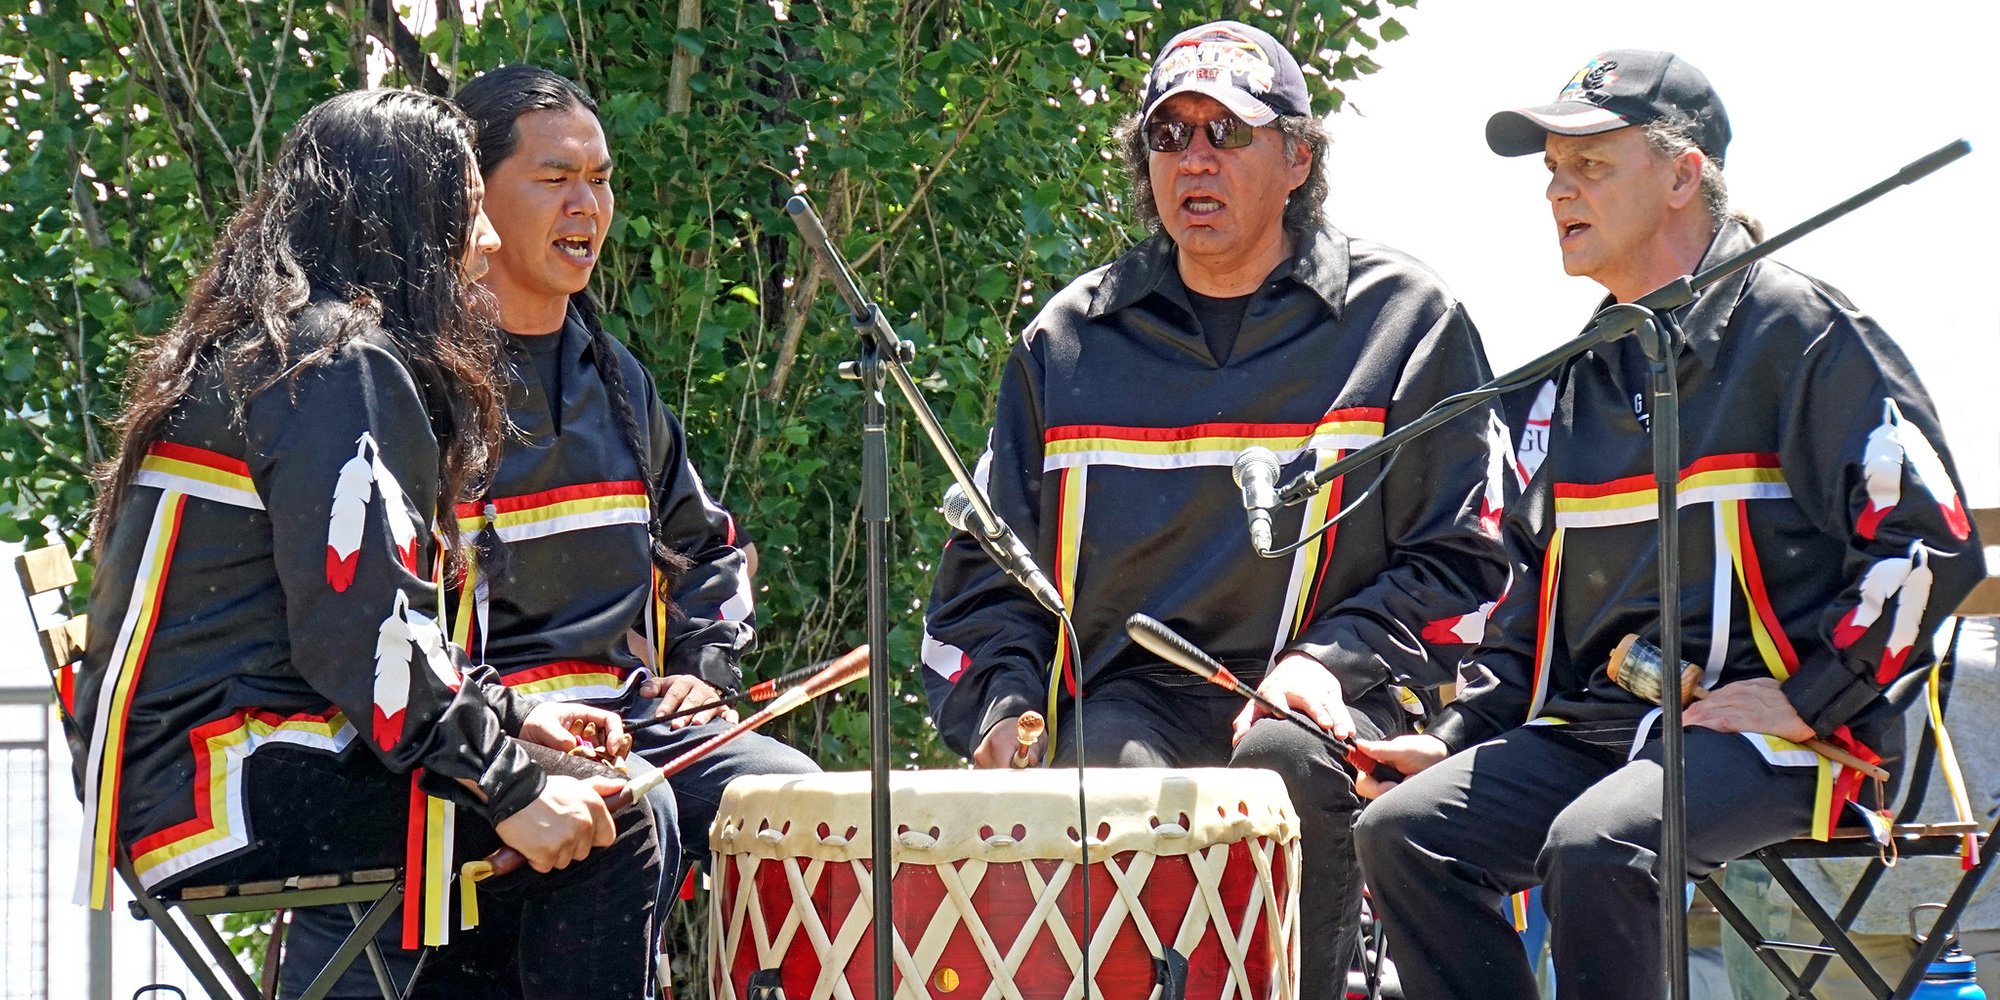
{"type": "Point", "coordinates": [1617, 88]}
{"type": "Point", "coordinates": [1241, 66]}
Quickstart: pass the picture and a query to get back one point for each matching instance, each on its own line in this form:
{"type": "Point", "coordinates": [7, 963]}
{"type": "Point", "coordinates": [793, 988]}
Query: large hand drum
{"type": "Point", "coordinates": [1194, 886]}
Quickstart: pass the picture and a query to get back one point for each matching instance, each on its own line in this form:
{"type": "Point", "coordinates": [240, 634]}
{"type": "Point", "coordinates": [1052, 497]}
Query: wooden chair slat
{"type": "Point", "coordinates": [1988, 520]}
{"type": "Point", "coordinates": [46, 569]}
{"type": "Point", "coordinates": [62, 643]}
{"type": "Point", "coordinates": [1984, 599]}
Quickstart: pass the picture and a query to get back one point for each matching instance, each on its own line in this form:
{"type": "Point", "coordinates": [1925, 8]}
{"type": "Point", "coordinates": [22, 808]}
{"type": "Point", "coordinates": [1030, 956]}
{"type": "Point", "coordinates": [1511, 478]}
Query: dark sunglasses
{"type": "Point", "coordinates": [1227, 132]}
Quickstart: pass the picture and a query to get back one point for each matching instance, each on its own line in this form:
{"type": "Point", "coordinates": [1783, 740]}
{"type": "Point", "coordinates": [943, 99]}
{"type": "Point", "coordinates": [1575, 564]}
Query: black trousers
{"type": "Point", "coordinates": [1137, 722]}
{"type": "Point", "coordinates": [1442, 850]}
{"type": "Point", "coordinates": [316, 812]}
{"type": "Point", "coordinates": [683, 809]}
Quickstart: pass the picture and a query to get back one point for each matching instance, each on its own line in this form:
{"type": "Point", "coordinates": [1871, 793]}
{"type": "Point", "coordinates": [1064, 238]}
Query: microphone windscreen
{"type": "Point", "coordinates": [1255, 458]}
{"type": "Point", "coordinates": [957, 508]}
{"type": "Point", "coordinates": [1171, 646]}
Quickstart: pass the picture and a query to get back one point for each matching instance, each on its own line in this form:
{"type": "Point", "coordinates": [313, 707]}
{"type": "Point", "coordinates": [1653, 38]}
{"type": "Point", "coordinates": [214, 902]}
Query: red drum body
{"type": "Point", "coordinates": [1193, 886]}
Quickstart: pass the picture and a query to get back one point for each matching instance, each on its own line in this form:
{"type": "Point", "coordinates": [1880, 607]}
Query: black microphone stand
{"type": "Point", "coordinates": [883, 352]}
{"type": "Point", "coordinates": [1661, 343]}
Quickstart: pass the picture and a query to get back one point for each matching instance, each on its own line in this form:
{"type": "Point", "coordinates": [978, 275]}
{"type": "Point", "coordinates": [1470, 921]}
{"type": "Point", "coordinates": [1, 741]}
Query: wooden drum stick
{"type": "Point", "coordinates": [851, 667]}
{"type": "Point", "coordinates": [1635, 666]}
{"type": "Point", "coordinates": [1027, 729]}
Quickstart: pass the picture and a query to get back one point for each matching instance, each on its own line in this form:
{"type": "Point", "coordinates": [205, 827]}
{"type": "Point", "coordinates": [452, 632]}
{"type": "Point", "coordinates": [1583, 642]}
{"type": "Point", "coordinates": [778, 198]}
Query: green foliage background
{"type": "Point", "coordinates": [956, 149]}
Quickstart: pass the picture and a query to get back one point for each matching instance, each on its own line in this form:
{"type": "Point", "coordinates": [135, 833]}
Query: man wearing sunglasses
{"type": "Point", "coordinates": [1243, 320]}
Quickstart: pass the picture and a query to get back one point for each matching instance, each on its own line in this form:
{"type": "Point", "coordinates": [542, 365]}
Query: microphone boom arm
{"type": "Point", "coordinates": [894, 354]}
{"type": "Point", "coordinates": [1610, 324]}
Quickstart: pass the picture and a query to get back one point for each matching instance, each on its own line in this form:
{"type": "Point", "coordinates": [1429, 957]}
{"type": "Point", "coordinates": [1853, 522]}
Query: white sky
{"type": "Point", "coordinates": [1825, 98]}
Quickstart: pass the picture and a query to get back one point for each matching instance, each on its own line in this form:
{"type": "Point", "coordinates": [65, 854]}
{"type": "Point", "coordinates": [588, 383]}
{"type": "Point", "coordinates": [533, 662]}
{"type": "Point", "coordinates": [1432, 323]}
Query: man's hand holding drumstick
{"type": "Point", "coordinates": [1015, 742]}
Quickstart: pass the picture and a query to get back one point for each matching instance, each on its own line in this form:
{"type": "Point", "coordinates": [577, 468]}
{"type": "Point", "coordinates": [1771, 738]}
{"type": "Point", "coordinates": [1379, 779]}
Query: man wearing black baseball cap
{"type": "Point", "coordinates": [1823, 539]}
{"type": "Point", "coordinates": [1244, 320]}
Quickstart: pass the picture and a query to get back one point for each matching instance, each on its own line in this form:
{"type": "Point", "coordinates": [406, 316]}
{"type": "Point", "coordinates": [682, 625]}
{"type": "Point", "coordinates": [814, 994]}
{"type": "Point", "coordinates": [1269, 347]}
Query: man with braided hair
{"type": "Point", "coordinates": [597, 525]}
{"type": "Point", "coordinates": [605, 571]}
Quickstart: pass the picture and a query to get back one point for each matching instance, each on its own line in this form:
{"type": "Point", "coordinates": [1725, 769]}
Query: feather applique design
{"type": "Point", "coordinates": [429, 640]}
{"type": "Point", "coordinates": [349, 513]}
{"type": "Point", "coordinates": [402, 528]}
{"type": "Point", "coordinates": [946, 660]}
{"type": "Point", "coordinates": [392, 674]}
{"type": "Point", "coordinates": [1929, 470]}
{"type": "Point", "coordinates": [1892, 446]}
{"type": "Point", "coordinates": [1881, 472]}
{"type": "Point", "coordinates": [1461, 630]}
{"type": "Point", "coordinates": [361, 478]}
{"type": "Point", "coordinates": [1880, 583]}
{"type": "Point", "coordinates": [1498, 451]}
{"type": "Point", "coordinates": [1911, 603]}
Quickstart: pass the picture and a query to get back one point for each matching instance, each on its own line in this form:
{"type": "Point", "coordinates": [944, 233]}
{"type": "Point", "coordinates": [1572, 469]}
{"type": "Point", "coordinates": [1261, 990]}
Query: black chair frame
{"type": "Point", "coordinates": [50, 570]}
{"type": "Point", "coordinates": [1911, 839]}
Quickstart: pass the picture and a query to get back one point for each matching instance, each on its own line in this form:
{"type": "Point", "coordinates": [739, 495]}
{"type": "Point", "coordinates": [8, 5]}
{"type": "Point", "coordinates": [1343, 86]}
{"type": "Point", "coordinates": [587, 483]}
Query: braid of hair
{"type": "Point", "coordinates": [671, 564]}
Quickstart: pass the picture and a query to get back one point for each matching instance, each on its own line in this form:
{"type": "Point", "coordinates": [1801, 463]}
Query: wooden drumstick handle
{"type": "Point", "coordinates": [1027, 730]}
{"type": "Point", "coordinates": [1173, 647]}
{"type": "Point", "coordinates": [1635, 666]}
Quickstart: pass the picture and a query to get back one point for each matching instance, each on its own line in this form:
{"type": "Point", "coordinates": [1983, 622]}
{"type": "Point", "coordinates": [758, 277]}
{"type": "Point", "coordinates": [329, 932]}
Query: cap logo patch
{"type": "Point", "coordinates": [1215, 58]}
{"type": "Point", "coordinates": [1589, 82]}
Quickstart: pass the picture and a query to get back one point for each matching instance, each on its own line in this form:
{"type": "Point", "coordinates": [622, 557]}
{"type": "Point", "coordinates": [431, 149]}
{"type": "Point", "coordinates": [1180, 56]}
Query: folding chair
{"type": "Point", "coordinates": [49, 570]}
{"type": "Point", "coordinates": [1911, 839]}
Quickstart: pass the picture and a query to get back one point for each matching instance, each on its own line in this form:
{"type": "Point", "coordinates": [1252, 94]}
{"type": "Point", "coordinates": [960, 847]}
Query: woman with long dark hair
{"type": "Point", "coordinates": [270, 562]}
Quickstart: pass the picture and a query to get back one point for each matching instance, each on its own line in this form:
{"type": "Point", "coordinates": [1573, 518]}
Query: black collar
{"type": "Point", "coordinates": [1319, 262]}
{"type": "Point", "coordinates": [577, 343]}
{"type": "Point", "coordinates": [1702, 321]}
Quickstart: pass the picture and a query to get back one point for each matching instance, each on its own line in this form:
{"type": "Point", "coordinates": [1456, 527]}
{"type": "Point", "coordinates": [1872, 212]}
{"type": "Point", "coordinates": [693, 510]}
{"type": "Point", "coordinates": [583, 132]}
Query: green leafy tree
{"type": "Point", "coordinates": [956, 149]}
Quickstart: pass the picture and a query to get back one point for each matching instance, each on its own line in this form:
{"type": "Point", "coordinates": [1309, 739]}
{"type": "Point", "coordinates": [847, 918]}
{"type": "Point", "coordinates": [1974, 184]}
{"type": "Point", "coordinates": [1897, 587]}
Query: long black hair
{"type": "Point", "coordinates": [368, 206]}
{"type": "Point", "coordinates": [495, 101]}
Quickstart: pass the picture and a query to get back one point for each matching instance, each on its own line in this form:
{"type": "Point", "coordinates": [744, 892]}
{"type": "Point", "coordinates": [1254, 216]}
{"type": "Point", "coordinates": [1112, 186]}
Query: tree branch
{"type": "Point", "coordinates": [387, 27]}
{"type": "Point", "coordinates": [799, 298]}
{"type": "Point", "coordinates": [175, 108]}
{"type": "Point", "coordinates": [54, 452]}
{"type": "Point", "coordinates": [937, 169]}
{"type": "Point", "coordinates": [169, 59]}
{"type": "Point", "coordinates": [83, 202]}
{"type": "Point", "coordinates": [684, 61]}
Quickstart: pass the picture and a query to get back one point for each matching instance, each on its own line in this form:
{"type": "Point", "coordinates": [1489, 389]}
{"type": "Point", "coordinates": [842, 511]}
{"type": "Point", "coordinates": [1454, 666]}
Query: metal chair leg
{"type": "Point", "coordinates": [383, 981]}
{"type": "Point", "coordinates": [274, 949]}
{"type": "Point", "coordinates": [1947, 921]}
{"type": "Point", "coordinates": [177, 939]}
{"type": "Point", "coordinates": [1849, 910]}
{"type": "Point", "coordinates": [231, 965]}
{"type": "Point", "coordinates": [1832, 934]}
{"type": "Point", "coordinates": [1760, 946]}
{"type": "Point", "coordinates": [358, 941]}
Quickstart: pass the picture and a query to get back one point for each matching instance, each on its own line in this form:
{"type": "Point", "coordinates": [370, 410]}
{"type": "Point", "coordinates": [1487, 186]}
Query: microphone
{"type": "Point", "coordinates": [1256, 474]}
{"type": "Point", "coordinates": [1005, 547]}
{"type": "Point", "coordinates": [1174, 648]}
